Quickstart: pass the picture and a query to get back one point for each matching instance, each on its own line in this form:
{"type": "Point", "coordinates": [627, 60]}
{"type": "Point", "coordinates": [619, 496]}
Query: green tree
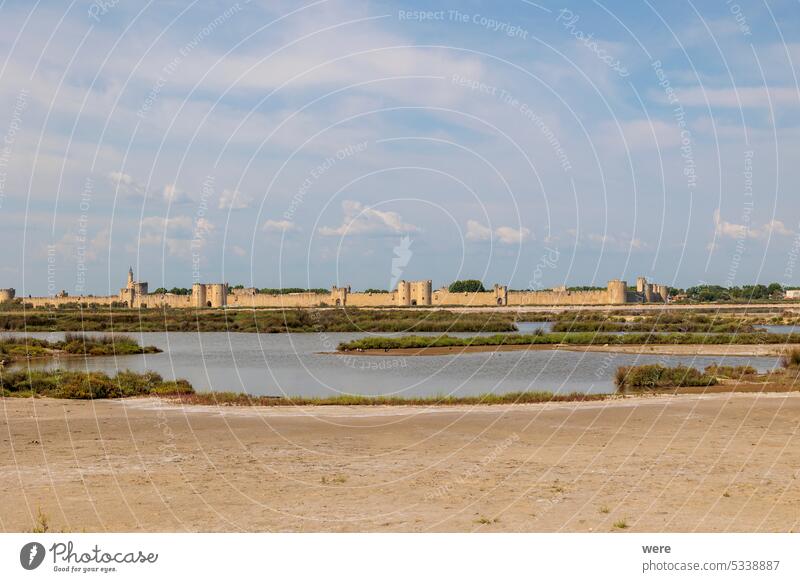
{"type": "Point", "coordinates": [466, 286]}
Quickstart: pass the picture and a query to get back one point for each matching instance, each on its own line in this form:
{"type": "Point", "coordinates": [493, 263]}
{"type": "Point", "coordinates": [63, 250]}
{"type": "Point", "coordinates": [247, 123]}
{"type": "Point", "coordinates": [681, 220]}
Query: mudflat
{"type": "Point", "coordinates": [711, 462]}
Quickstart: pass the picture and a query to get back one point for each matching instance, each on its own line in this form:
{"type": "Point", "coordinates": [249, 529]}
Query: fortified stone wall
{"type": "Point", "coordinates": [372, 299]}
{"type": "Point", "coordinates": [56, 301]}
{"type": "Point", "coordinates": [287, 300]}
{"type": "Point", "coordinates": [559, 298]}
{"type": "Point", "coordinates": [408, 294]}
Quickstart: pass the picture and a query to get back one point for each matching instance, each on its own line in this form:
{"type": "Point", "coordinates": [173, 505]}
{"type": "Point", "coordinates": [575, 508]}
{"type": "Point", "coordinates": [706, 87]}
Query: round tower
{"type": "Point", "coordinates": [424, 292]}
{"type": "Point", "coordinates": [617, 291]}
{"type": "Point", "coordinates": [198, 295]}
{"type": "Point", "coordinates": [648, 293]}
{"type": "Point", "coordinates": [217, 295]}
{"type": "Point", "coordinates": [403, 293]}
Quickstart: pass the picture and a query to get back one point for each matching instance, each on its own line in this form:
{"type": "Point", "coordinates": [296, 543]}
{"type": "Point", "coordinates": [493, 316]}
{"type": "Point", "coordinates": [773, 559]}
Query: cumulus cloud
{"type": "Point", "coordinates": [234, 200]}
{"type": "Point", "coordinates": [172, 194]}
{"type": "Point", "coordinates": [359, 219]}
{"type": "Point", "coordinates": [279, 226]}
{"type": "Point", "coordinates": [476, 231]}
{"type": "Point", "coordinates": [130, 186]}
{"type": "Point", "coordinates": [725, 229]}
{"type": "Point", "coordinates": [126, 184]}
{"type": "Point", "coordinates": [505, 234]}
{"type": "Point", "coordinates": [509, 235]}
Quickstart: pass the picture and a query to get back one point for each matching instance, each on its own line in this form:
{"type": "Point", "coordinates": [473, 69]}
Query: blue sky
{"type": "Point", "coordinates": [292, 144]}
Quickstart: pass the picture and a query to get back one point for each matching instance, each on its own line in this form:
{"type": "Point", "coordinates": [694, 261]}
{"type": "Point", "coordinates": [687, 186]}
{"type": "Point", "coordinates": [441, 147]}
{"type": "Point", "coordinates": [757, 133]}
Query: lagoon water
{"type": "Point", "coordinates": [297, 365]}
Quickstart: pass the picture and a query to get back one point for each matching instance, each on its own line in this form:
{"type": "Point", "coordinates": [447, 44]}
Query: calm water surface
{"type": "Point", "coordinates": [296, 365]}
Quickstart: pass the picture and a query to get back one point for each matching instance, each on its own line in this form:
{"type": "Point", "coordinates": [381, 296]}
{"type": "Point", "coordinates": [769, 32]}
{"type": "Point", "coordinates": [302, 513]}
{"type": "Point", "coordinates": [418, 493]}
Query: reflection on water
{"type": "Point", "coordinates": [292, 364]}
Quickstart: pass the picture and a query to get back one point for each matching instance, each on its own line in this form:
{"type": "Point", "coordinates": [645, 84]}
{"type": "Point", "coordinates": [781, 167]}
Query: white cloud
{"type": "Point", "coordinates": [727, 229]}
{"type": "Point", "coordinates": [126, 184]}
{"type": "Point", "coordinates": [238, 251]}
{"type": "Point", "coordinates": [279, 226]}
{"type": "Point", "coordinates": [509, 235]}
{"type": "Point", "coordinates": [476, 231]}
{"type": "Point", "coordinates": [360, 219]}
{"type": "Point", "coordinates": [170, 193]}
{"type": "Point", "coordinates": [234, 200]}
{"type": "Point", "coordinates": [505, 234]}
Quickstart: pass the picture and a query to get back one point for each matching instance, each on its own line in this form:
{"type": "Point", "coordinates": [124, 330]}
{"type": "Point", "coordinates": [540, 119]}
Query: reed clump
{"type": "Point", "coordinates": [656, 376]}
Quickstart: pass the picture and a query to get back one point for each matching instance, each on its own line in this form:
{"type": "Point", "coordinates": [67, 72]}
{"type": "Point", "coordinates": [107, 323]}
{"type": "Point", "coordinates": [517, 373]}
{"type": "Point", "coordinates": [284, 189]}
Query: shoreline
{"type": "Point", "coordinates": [744, 350]}
{"type": "Point", "coordinates": [231, 400]}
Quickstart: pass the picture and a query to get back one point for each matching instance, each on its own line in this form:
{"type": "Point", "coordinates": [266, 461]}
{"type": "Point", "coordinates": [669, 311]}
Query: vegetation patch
{"type": "Point", "coordinates": [21, 348]}
{"type": "Point", "coordinates": [91, 385]}
{"type": "Point", "coordinates": [257, 320]}
{"type": "Point", "coordinates": [791, 359]}
{"type": "Point", "coordinates": [568, 338]}
{"type": "Point", "coordinates": [656, 376]}
{"type": "Point", "coordinates": [241, 399]}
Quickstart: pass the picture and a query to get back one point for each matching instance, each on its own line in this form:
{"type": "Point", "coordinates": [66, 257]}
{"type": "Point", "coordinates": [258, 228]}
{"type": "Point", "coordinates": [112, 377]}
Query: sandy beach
{"type": "Point", "coordinates": [718, 462]}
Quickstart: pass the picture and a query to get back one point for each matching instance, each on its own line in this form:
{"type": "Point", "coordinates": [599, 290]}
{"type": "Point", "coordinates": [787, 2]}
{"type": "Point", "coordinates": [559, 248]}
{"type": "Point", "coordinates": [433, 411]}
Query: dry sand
{"type": "Point", "coordinates": [717, 462]}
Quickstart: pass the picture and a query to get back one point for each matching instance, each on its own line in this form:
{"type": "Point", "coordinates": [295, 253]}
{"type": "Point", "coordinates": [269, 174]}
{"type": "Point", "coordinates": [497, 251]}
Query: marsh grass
{"type": "Point", "coordinates": [15, 348]}
{"type": "Point", "coordinates": [335, 480]}
{"type": "Point", "coordinates": [656, 376]}
{"type": "Point", "coordinates": [680, 322]}
{"type": "Point", "coordinates": [486, 521]}
{"type": "Point", "coordinates": [730, 372]}
{"type": "Point", "coordinates": [241, 399]}
{"type": "Point", "coordinates": [567, 338]}
{"type": "Point", "coordinates": [42, 523]}
{"type": "Point", "coordinates": [257, 320]}
{"type": "Point", "coordinates": [91, 385]}
{"type": "Point", "coordinates": [791, 359]}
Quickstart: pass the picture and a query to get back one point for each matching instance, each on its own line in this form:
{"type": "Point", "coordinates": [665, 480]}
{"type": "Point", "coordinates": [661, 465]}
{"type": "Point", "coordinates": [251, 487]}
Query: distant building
{"type": "Point", "coordinates": [792, 294]}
